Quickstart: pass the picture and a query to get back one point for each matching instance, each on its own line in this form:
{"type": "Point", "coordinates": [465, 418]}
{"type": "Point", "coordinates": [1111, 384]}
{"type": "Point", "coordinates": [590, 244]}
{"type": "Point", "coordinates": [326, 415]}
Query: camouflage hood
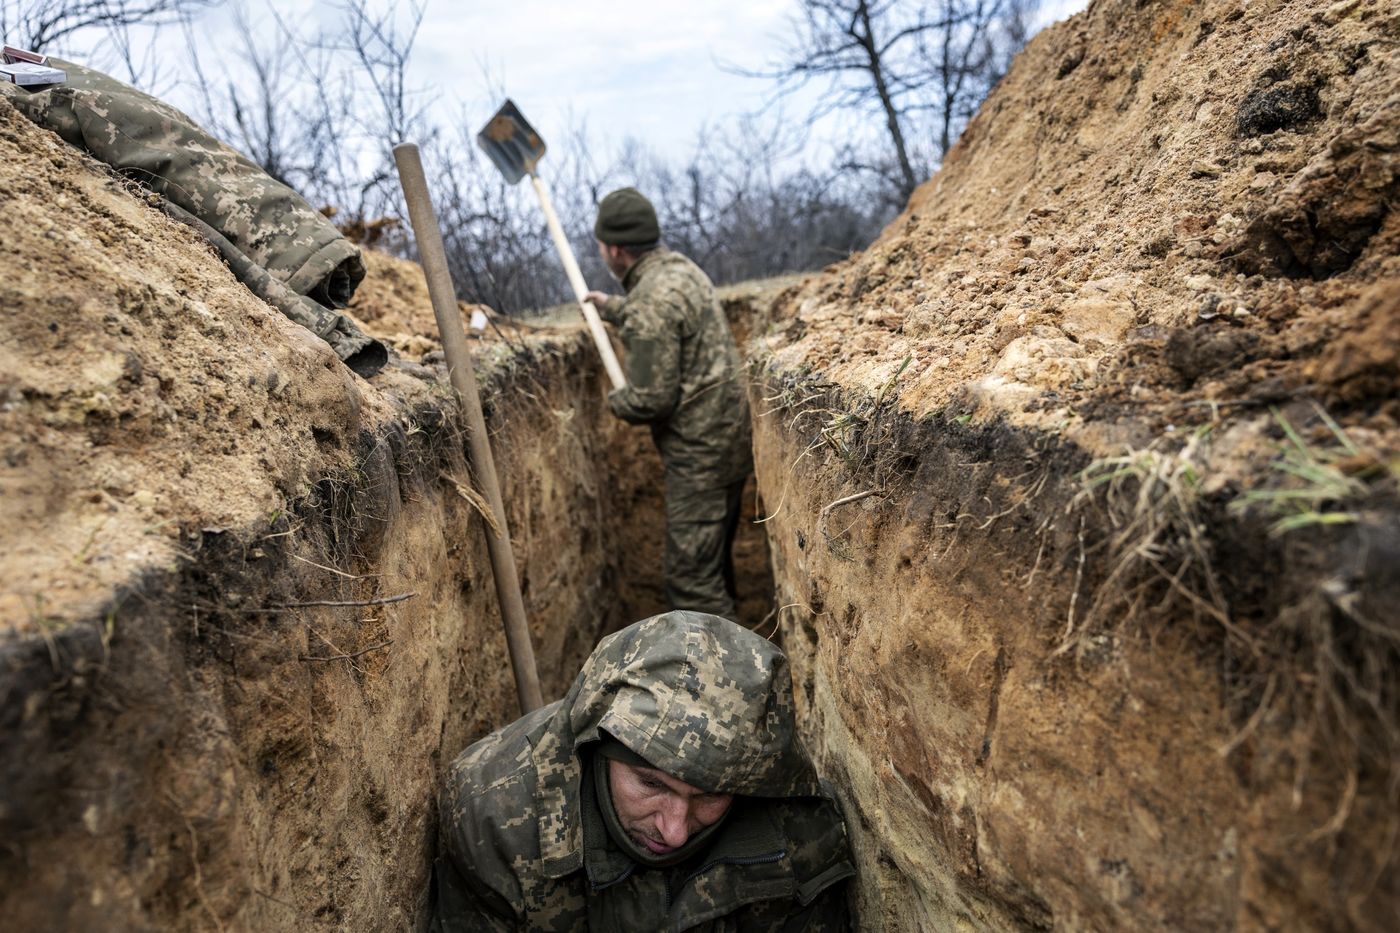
{"type": "Point", "coordinates": [699, 697]}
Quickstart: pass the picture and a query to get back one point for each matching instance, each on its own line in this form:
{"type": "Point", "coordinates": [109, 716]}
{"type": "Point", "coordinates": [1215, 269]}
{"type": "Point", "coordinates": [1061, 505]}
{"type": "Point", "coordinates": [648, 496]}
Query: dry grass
{"type": "Point", "coordinates": [1158, 552]}
{"type": "Point", "coordinates": [1319, 666]}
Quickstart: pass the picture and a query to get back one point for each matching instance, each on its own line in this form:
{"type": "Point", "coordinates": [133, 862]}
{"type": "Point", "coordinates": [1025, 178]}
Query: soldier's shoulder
{"type": "Point", "coordinates": [491, 787]}
{"type": "Point", "coordinates": [499, 767]}
{"type": "Point", "coordinates": [676, 276]}
{"type": "Point", "coordinates": [489, 815]}
{"type": "Point", "coordinates": [815, 830]}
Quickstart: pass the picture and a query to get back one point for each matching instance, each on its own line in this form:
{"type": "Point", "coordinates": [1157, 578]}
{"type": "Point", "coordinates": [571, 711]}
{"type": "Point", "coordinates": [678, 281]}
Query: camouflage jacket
{"type": "Point", "coordinates": [279, 245]}
{"type": "Point", "coordinates": [700, 698]}
{"type": "Point", "coordinates": [684, 376]}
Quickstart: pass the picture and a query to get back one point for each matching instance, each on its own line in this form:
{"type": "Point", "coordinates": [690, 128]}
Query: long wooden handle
{"type": "Point", "coordinates": [590, 313]}
{"type": "Point", "coordinates": [459, 367]}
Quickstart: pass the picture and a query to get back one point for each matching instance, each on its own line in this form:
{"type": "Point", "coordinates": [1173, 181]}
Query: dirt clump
{"type": "Point", "coordinates": [1086, 217]}
{"type": "Point", "coordinates": [393, 300]}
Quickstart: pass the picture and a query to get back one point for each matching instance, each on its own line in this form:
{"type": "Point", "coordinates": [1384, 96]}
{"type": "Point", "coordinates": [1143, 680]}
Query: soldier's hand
{"type": "Point", "coordinates": [598, 299]}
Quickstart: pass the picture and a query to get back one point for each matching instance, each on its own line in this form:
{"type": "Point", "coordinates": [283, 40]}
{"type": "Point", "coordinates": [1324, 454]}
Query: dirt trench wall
{"type": "Point", "coordinates": [187, 758]}
{"type": "Point", "coordinates": [1001, 774]}
{"type": "Point", "coordinates": [1108, 638]}
{"type": "Point", "coordinates": [246, 612]}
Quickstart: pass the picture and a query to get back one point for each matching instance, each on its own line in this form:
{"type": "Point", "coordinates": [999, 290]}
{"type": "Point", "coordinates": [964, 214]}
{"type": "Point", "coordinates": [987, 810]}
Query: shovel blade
{"type": "Point", "coordinates": [511, 143]}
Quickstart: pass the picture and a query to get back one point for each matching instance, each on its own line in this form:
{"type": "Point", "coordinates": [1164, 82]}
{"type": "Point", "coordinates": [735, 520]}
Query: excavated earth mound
{"type": "Point", "coordinates": [1083, 488]}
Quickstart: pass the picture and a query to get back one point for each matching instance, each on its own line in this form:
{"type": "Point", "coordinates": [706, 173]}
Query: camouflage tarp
{"type": "Point", "coordinates": [267, 232]}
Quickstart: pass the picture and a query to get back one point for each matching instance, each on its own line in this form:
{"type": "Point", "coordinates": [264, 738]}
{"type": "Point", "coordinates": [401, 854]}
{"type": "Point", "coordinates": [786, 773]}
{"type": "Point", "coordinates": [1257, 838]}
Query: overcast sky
{"type": "Point", "coordinates": [651, 70]}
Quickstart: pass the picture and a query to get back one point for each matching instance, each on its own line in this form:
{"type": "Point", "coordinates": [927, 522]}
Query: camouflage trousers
{"type": "Point", "coordinates": [699, 559]}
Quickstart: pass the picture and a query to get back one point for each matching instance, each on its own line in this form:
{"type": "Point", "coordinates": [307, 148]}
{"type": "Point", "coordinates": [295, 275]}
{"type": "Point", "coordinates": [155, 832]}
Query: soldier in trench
{"type": "Point", "coordinates": [666, 790]}
{"type": "Point", "coordinates": [684, 380]}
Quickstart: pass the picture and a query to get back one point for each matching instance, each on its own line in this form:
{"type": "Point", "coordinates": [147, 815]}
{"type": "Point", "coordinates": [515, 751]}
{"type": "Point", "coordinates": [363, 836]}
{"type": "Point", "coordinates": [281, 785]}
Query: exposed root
{"type": "Point", "coordinates": [380, 601]}
{"type": "Point", "coordinates": [839, 548]}
{"type": "Point", "coordinates": [194, 859]}
{"type": "Point", "coordinates": [338, 573]}
{"type": "Point", "coordinates": [478, 502]}
{"type": "Point", "coordinates": [1322, 669]}
{"type": "Point", "coordinates": [345, 657]}
{"type": "Point", "coordinates": [1152, 500]}
{"type": "Point", "coordinates": [1255, 719]}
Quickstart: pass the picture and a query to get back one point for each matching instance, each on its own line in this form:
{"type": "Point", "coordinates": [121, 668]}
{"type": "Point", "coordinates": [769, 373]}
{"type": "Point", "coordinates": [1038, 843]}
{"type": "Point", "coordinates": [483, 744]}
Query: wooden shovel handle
{"type": "Point", "coordinates": [459, 367]}
{"type": "Point", "coordinates": [590, 313]}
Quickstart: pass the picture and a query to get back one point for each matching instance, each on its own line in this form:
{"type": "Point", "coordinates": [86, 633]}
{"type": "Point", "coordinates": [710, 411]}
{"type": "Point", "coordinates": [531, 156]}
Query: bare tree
{"type": "Point", "coordinates": [968, 55]}
{"type": "Point", "coordinates": [382, 42]}
{"type": "Point", "coordinates": [380, 45]}
{"type": "Point", "coordinates": [321, 113]}
{"type": "Point", "coordinates": [743, 205]}
{"type": "Point", "coordinates": [40, 24]}
{"type": "Point", "coordinates": [901, 60]}
{"type": "Point", "coordinates": [260, 111]}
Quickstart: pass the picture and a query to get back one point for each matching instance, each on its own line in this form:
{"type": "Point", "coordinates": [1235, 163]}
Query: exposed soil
{"type": "Point", "coordinates": [1163, 205]}
{"type": "Point", "coordinates": [1080, 490]}
{"type": "Point", "coordinates": [1087, 473]}
{"type": "Point", "coordinates": [187, 744]}
{"type": "Point", "coordinates": [248, 614]}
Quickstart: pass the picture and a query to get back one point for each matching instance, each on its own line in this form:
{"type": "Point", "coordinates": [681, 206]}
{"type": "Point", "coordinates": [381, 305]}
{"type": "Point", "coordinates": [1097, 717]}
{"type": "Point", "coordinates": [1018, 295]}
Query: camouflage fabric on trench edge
{"type": "Point", "coordinates": [277, 244]}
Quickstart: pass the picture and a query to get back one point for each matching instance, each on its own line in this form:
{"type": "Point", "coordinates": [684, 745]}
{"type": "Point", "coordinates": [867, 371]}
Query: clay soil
{"type": "Point", "coordinates": [248, 615]}
{"type": "Point", "coordinates": [1163, 207]}
{"type": "Point", "coordinates": [1087, 472]}
{"type": "Point", "coordinates": [1079, 524]}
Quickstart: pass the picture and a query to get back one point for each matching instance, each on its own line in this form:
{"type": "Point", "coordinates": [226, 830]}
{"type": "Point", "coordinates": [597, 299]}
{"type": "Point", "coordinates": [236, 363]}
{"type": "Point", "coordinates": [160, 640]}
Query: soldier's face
{"type": "Point", "coordinates": [658, 811]}
{"type": "Point", "coordinates": [616, 259]}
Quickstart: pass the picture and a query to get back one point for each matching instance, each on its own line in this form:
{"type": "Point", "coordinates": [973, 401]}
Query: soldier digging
{"type": "Point", "coordinates": [683, 380]}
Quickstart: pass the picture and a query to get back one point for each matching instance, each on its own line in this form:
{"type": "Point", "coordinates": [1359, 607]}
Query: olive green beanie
{"type": "Point", "coordinates": [626, 218]}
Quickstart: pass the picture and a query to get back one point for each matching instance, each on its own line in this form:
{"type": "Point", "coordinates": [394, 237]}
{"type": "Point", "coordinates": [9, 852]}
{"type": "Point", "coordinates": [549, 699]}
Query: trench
{"type": "Point", "coordinates": [252, 738]}
{"type": "Point", "coordinates": [249, 613]}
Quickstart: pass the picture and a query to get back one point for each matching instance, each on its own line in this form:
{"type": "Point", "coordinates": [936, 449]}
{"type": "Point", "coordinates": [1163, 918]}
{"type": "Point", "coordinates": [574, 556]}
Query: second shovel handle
{"type": "Point", "coordinates": [571, 269]}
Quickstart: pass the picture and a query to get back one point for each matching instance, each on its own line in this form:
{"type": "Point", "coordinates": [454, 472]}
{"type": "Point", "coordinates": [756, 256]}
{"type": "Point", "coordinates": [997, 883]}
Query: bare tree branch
{"type": "Point", "coordinates": [38, 25]}
{"type": "Point", "coordinates": [898, 60]}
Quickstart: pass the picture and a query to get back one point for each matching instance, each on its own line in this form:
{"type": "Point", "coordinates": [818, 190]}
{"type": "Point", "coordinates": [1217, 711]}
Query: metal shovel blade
{"type": "Point", "coordinates": [512, 143]}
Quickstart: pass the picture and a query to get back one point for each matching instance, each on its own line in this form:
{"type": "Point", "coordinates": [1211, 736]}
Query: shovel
{"type": "Point", "coordinates": [516, 149]}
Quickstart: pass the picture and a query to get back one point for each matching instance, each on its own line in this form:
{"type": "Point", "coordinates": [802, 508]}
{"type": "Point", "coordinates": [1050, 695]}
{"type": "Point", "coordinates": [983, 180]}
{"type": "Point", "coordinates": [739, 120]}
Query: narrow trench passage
{"type": "Point", "coordinates": [252, 734]}
{"type": "Point", "coordinates": [639, 584]}
{"type": "Point", "coordinates": [637, 506]}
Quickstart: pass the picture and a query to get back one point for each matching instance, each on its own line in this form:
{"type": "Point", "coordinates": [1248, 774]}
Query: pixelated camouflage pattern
{"type": "Point", "coordinates": [698, 558]}
{"type": "Point", "coordinates": [360, 352]}
{"type": "Point", "coordinates": [685, 380]}
{"type": "Point", "coordinates": [684, 376]}
{"type": "Point", "coordinates": [169, 153]}
{"type": "Point", "coordinates": [698, 697]}
{"type": "Point", "coordinates": [260, 220]}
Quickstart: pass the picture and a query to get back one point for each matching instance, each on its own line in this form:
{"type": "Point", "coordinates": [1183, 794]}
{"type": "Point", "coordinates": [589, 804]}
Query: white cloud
{"type": "Point", "coordinates": [650, 70]}
{"type": "Point", "coordinates": [654, 68]}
